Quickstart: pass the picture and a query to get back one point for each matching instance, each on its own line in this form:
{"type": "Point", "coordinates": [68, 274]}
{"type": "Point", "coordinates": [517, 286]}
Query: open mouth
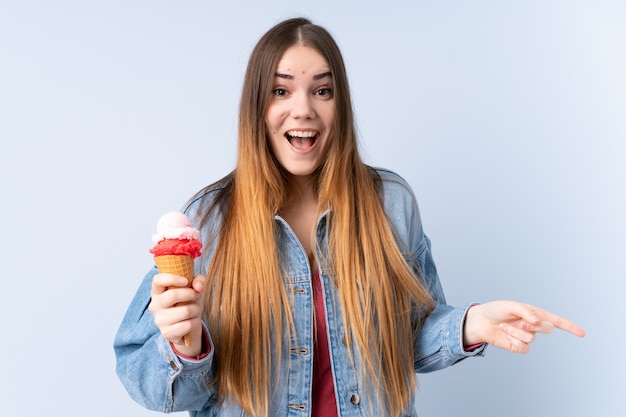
{"type": "Point", "coordinates": [302, 139]}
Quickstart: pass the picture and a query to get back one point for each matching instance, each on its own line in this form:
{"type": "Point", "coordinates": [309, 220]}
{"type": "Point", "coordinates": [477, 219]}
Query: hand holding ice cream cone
{"type": "Point", "coordinates": [177, 311]}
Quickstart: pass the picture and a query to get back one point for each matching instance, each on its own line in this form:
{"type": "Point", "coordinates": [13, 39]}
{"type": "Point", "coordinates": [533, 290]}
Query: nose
{"type": "Point", "coordinates": [302, 107]}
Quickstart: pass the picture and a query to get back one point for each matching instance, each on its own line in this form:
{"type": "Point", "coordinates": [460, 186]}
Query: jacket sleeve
{"type": "Point", "coordinates": [438, 342]}
{"type": "Point", "coordinates": [151, 372]}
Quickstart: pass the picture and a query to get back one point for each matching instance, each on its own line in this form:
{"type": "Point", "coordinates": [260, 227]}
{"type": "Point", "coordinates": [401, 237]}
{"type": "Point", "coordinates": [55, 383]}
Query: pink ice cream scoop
{"type": "Point", "coordinates": [176, 236]}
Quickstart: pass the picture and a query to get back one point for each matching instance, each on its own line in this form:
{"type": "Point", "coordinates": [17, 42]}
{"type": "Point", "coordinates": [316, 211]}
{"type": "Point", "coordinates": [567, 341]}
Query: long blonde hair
{"type": "Point", "coordinates": [247, 306]}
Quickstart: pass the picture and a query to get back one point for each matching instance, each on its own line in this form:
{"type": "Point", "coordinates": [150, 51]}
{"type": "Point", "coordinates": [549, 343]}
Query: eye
{"type": "Point", "coordinates": [326, 92]}
{"type": "Point", "coordinates": [279, 92]}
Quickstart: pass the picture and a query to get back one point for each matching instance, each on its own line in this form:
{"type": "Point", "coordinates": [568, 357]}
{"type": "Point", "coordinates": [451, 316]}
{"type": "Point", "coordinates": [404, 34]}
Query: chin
{"type": "Point", "coordinates": [302, 172]}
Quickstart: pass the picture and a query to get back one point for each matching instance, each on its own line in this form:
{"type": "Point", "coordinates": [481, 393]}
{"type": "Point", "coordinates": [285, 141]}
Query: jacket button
{"type": "Point", "coordinates": [355, 399]}
{"type": "Point", "coordinates": [173, 365]}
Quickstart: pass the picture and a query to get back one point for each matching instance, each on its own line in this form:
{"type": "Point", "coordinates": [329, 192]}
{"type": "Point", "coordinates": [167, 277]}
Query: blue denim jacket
{"type": "Point", "coordinates": [160, 380]}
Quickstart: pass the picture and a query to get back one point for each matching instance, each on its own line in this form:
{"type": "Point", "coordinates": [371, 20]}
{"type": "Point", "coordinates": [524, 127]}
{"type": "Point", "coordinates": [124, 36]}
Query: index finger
{"type": "Point", "coordinates": [560, 322]}
{"type": "Point", "coordinates": [162, 281]}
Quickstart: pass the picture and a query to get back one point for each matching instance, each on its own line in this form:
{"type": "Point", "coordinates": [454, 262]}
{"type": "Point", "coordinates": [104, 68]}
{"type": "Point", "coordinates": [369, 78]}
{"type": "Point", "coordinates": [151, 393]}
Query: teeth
{"type": "Point", "coordinates": [301, 133]}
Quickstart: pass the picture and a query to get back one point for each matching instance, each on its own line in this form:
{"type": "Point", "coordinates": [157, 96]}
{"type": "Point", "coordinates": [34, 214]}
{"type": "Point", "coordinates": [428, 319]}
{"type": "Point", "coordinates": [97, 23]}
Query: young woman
{"type": "Point", "coordinates": [317, 293]}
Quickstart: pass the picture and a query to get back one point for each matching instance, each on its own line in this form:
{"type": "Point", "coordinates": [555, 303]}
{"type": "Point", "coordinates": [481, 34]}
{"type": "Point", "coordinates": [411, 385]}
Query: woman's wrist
{"type": "Point", "coordinates": [198, 347]}
{"type": "Point", "coordinates": [471, 334]}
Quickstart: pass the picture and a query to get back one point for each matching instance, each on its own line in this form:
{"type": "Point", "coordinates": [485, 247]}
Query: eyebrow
{"type": "Point", "coordinates": [315, 77]}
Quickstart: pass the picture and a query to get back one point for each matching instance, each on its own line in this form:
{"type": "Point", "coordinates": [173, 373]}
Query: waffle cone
{"type": "Point", "coordinates": [176, 264]}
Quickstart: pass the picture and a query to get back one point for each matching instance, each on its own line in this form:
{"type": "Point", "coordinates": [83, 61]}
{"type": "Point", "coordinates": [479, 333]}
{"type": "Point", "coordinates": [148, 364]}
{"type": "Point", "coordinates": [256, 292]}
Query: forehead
{"type": "Point", "coordinates": [302, 60]}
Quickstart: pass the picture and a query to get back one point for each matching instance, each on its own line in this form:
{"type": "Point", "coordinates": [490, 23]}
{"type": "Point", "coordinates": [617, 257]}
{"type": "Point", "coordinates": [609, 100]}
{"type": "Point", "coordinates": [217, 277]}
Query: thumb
{"type": "Point", "coordinates": [199, 282]}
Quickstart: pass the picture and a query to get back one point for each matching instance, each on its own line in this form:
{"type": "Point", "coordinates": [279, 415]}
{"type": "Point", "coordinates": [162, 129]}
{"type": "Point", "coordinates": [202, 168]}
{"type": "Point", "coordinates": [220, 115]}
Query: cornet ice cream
{"type": "Point", "coordinates": [177, 244]}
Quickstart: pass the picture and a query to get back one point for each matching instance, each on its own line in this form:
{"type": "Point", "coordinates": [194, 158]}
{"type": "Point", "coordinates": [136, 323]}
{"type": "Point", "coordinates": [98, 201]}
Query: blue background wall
{"type": "Point", "coordinates": [507, 118]}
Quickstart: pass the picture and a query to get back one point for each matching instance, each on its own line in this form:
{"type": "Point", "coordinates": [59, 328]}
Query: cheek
{"type": "Point", "coordinates": [271, 132]}
{"type": "Point", "coordinates": [270, 127]}
{"type": "Point", "coordinates": [273, 140]}
{"type": "Point", "coordinates": [329, 116]}
{"type": "Point", "coordinates": [274, 118]}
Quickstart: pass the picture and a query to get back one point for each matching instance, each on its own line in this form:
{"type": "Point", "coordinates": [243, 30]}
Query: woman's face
{"type": "Point", "coordinates": [301, 111]}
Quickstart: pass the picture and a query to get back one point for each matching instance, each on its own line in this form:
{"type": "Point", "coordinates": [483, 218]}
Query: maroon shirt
{"type": "Point", "coordinates": [324, 402]}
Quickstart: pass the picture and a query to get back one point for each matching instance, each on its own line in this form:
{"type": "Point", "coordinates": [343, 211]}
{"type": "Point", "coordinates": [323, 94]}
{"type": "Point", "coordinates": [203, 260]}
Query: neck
{"type": "Point", "coordinates": [301, 211]}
